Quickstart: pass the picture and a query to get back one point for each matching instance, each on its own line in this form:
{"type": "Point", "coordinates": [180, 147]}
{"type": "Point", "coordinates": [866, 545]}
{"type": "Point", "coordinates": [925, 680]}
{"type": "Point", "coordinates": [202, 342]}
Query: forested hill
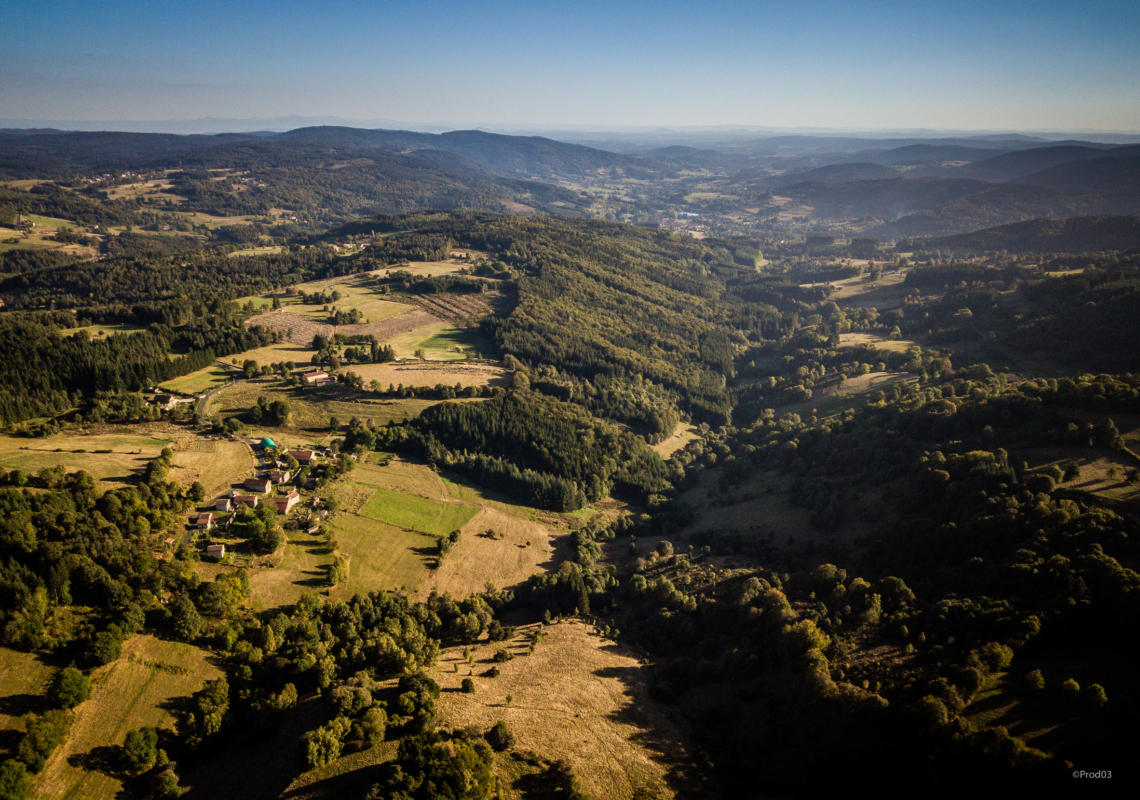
{"type": "Point", "coordinates": [1073, 235]}
{"type": "Point", "coordinates": [599, 299]}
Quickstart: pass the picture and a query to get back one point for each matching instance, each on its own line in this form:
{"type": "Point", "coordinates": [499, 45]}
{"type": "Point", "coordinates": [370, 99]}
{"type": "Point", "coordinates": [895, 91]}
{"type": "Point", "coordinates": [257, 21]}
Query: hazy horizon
{"type": "Point", "coordinates": [835, 66]}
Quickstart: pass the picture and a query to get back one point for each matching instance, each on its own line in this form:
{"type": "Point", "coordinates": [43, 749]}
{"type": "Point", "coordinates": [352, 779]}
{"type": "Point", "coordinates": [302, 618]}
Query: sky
{"type": "Point", "coordinates": [850, 65]}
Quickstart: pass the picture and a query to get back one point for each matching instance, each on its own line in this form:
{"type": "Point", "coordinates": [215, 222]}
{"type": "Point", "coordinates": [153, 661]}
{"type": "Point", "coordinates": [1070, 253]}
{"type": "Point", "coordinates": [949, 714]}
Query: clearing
{"type": "Point", "coordinates": [415, 513]}
{"type": "Point", "coordinates": [99, 331]}
{"type": "Point", "coordinates": [127, 694]}
{"type": "Point", "coordinates": [127, 454]}
{"type": "Point", "coordinates": [577, 697]}
{"type": "Point", "coordinates": [681, 436]}
{"type": "Point", "coordinates": [876, 341]}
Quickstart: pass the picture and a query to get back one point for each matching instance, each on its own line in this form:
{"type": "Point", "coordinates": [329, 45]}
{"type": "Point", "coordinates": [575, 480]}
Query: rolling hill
{"type": "Point", "coordinates": [1072, 235]}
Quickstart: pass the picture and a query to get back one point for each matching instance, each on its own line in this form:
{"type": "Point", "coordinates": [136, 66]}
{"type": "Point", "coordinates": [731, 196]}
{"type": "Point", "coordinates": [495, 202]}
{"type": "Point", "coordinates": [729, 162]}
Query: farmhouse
{"type": "Point", "coordinates": [224, 504]}
{"type": "Point", "coordinates": [263, 485]}
{"type": "Point", "coordinates": [217, 551]}
{"type": "Point", "coordinates": [286, 501]}
{"type": "Point", "coordinates": [165, 401]}
{"type": "Point", "coordinates": [205, 521]}
{"type": "Point", "coordinates": [280, 476]}
{"type": "Point", "coordinates": [314, 376]}
{"type": "Point", "coordinates": [306, 457]}
{"type": "Point", "coordinates": [250, 500]}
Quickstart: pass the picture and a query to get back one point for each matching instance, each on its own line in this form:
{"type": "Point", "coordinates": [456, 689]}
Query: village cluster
{"type": "Point", "coordinates": [275, 482]}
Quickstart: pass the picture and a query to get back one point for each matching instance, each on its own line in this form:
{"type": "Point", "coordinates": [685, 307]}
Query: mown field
{"type": "Point", "coordinates": [417, 373]}
{"type": "Point", "coordinates": [415, 513]}
{"type": "Point", "coordinates": [200, 382]}
{"type": "Point", "coordinates": [128, 693]}
{"type": "Point", "coordinates": [215, 464]}
{"type": "Point", "coordinates": [440, 341]}
{"type": "Point", "coordinates": [129, 454]}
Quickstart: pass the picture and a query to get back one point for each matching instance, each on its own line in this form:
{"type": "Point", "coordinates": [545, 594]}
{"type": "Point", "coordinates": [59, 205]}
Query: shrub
{"type": "Point", "coordinates": [500, 737]}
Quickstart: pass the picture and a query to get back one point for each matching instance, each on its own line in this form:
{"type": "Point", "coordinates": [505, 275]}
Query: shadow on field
{"type": "Point", "coordinates": [656, 735]}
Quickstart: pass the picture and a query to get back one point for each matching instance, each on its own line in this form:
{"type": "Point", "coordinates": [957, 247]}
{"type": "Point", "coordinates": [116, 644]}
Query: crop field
{"type": "Point", "coordinates": [415, 373]}
{"type": "Point", "coordinates": [313, 409]}
{"type": "Point", "coordinates": [577, 697]}
{"type": "Point", "coordinates": [129, 454]}
{"type": "Point", "coordinates": [216, 467]}
{"type": "Point", "coordinates": [128, 693]}
{"type": "Point", "coordinates": [200, 382]}
{"type": "Point", "coordinates": [464, 310]}
{"type": "Point", "coordinates": [23, 679]}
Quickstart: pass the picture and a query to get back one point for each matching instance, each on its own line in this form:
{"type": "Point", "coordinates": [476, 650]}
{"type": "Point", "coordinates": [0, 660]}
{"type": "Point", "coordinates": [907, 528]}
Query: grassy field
{"type": "Point", "coordinates": [40, 237]}
{"type": "Point", "coordinates": [440, 341]}
{"type": "Point", "coordinates": [99, 331]}
{"type": "Point", "coordinates": [878, 342]}
{"type": "Point", "coordinates": [418, 373]}
{"type": "Point", "coordinates": [416, 513]}
{"type": "Point", "coordinates": [1102, 470]}
{"type": "Point", "coordinates": [517, 549]}
{"type": "Point", "coordinates": [381, 556]}
{"type": "Point", "coordinates": [274, 250]}
{"type": "Point", "coordinates": [301, 571]}
{"type": "Point", "coordinates": [280, 353]}
{"type": "Point", "coordinates": [216, 465]}
{"type": "Point", "coordinates": [23, 678]}
{"type": "Point", "coordinates": [313, 408]}
{"type": "Point", "coordinates": [577, 697]}
{"type": "Point", "coordinates": [128, 694]}
{"type": "Point", "coordinates": [677, 441]}
{"type": "Point", "coordinates": [355, 292]}
{"type": "Point", "coordinates": [200, 382]}
{"type": "Point", "coordinates": [129, 453]}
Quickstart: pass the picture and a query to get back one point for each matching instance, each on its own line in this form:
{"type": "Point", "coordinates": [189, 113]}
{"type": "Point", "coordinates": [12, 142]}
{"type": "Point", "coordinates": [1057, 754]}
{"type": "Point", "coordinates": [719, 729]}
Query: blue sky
{"type": "Point", "coordinates": [965, 65]}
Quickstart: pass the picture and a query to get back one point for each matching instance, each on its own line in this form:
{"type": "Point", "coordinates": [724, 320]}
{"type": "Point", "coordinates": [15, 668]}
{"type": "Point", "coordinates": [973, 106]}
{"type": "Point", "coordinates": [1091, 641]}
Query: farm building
{"type": "Point", "coordinates": [304, 456]}
{"type": "Point", "coordinates": [205, 521]}
{"type": "Point", "coordinates": [315, 376]}
{"type": "Point", "coordinates": [224, 504]}
{"type": "Point", "coordinates": [217, 551]}
{"type": "Point", "coordinates": [286, 501]}
{"type": "Point", "coordinates": [280, 476]}
{"type": "Point", "coordinates": [263, 485]}
{"type": "Point", "coordinates": [165, 401]}
{"type": "Point", "coordinates": [250, 500]}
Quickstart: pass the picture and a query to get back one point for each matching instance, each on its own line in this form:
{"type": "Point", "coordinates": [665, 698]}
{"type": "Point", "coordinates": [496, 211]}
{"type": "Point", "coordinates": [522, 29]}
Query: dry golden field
{"type": "Point", "coordinates": [127, 694]}
{"type": "Point", "coordinates": [578, 697]}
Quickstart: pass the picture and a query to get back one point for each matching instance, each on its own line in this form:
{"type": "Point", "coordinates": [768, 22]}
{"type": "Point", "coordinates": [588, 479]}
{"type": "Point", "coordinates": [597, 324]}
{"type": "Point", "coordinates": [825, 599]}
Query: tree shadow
{"type": "Point", "coordinates": [17, 705]}
{"type": "Point", "coordinates": [107, 759]}
{"type": "Point", "coordinates": [661, 741]}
